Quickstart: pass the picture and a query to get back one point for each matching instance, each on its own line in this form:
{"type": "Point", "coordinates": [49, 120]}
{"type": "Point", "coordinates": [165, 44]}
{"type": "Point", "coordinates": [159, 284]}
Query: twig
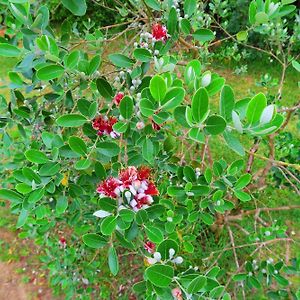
{"type": "Point", "coordinates": [258, 210]}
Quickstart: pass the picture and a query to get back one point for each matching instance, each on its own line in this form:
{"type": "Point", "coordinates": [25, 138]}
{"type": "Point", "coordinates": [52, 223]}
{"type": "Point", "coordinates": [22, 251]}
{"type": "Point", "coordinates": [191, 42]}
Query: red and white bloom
{"type": "Point", "coordinates": [159, 33]}
{"type": "Point", "coordinates": [150, 247]}
{"type": "Point", "coordinates": [104, 126]}
{"type": "Point", "coordinates": [110, 187]}
{"type": "Point", "coordinates": [118, 97]}
{"type": "Point", "coordinates": [62, 242]}
{"type": "Point", "coordinates": [177, 294]}
{"type": "Point", "coordinates": [132, 183]}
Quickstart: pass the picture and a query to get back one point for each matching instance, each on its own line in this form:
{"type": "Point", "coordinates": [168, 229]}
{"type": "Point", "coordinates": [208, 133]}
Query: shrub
{"type": "Point", "coordinates": [112, 157]}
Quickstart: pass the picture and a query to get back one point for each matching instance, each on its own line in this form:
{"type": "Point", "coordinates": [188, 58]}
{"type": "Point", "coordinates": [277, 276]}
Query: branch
{"type": "Point", "coordinates": [258, 210]}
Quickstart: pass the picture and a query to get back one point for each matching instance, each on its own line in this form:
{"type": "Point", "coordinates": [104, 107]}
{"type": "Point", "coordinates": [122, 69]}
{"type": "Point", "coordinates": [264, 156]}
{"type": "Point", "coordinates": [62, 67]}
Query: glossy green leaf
{"type": "Point", "coordinates": [50, 72]}
{"type": "Point", "coordinates": [94, 240]}
{"type": "Point", "coordinates": [77, 145]}
{"type": "Point", "coordinates": [215, 125]}
{"type": "Point", "coordinates": [120, 60]}
{"type": "Point", "coordinates": [36, 156]}
{"type": "Point", "coordinates": [108, 225]}
{"type": "Point", "coordinates": [9, 50]}
{"type": "Point", "coordinates": [113, 262]}
{"type": "Point", "coordinates": [76, 7]}
{"type": "Point", "coordinates": [126, 107]}
{"type": "Point", "coordinates": [71, 120]}
{"type": "Point", "coordinates": [160, 275]}
{"type": "Point", "coordinates": [158, 88]}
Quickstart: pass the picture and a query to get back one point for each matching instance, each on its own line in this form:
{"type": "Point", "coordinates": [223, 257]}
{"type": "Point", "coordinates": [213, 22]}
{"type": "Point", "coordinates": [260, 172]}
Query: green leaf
{"type": "Point", "coordinates": [255, 108]}
{"type": "Point", "coordinates": [185, 26]}
{"type": "Point", "coordinates": [120, 60]}
{"type": "Point", "coordinates": [15, 78]}
{"type": "Point", "coordinates": [207, 218]}
{"type": "Point", "coordinates": [261, 18]}
{"type": "Point", "coordinates": [196, 284]}
{"type": "Point", "coordinates": [154, 234]}
{"type": "Point", "coordinates": [243, 196]}
{"type": "Point", "coordinates": [6, 194]}
{"type": "Point", "coordinates": [9, 50]}
{"type": "Point", "coordinates": [76, 7]}
{"type": "Point", "coordinates": [172, 21]}
{"type": "Point", "coordinates": [227, 102]}
{"type": "Point", "coordinates": [173, 98]}
{"type": "Point", "coordinates": [71, 120]}
{"type": "Point", "coordinates": [189, 7]}
{"type": "Point", "coordinates": [243, 181]}
{"type": "Point", "coordinates": [104, 88]}
{"type": "Point", "coordinates": [94, 240]}
{"type": "Point", "coordinates": [179, 116]}
{"type": "Point", "coordinates": [197, 135]}
{"type": "Point", "coordinates": [215, 125]}
{"type": "Point", "coordinates": [217, 292]}
{"type": "Point", "coordinates": [94, 64]}
{"type": "Point", "coordinates": [160, 275]}
{"type": "Point", "coordinates": [252, 12]}
{"type": "Point", "coordinates": [126, 107]}
{"type": "Point", "coordinates": [233, 143]}
{"type": "Point", "coordinates": [120, 127]}
{"type": "Point", "coordinates": [36, 195]}
{"type": "Point", "coordinates": [109, 149]}
{"type": "Point", "coordinates": [203, 35]}
{"type": "Point", "coordinates": [154, 4]}
{"type": "Point", "coordinates": [158, 88]}
{"type": "Point", "coordinates": [22, 218]}
{"type": "Point", "coordinates": [108, 204]}
{"type": "Point", "coordinates": [61, 205]}
{"type": "Point", "coordinates": [77, 145]}
{"type": "Point", "coordinates": [72, 59]}
{"type": "Point", "coordinates": [50, 72]}
{"type": "Point", "coordinates": [200, 105]}
{"type": "Point", "coordinates": [148, 150]}
{"type": "Point", "coordinates": [49, 169]}
{"type": "Point", "coordinates": [113, 262]}
{"type": "Point", "coordinates": [82, 164]}
{"type": "Point", "coordinates": [242, 36]}
{"type": "Point", "coordinates": [296, 65]}
{"type": "Point", "coordinates": [146, 107]}
{"type": "Point", "coordinates": [142, 55]}
{"type": "Point", "coordinates": [36, 156]}
{"type": "Point", "coordinates": [108, 225]}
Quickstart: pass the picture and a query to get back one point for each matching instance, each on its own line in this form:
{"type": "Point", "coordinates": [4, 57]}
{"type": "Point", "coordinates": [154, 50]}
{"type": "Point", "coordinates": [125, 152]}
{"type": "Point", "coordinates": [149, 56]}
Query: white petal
{"type": "Point", "coordinates": [101, 213]}
{"type": "Point", "coordinates": [267, 114]}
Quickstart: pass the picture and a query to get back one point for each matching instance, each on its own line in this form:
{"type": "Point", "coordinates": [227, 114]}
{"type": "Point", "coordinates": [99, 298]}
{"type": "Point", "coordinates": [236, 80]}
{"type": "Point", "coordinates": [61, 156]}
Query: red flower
{"type": "Point", "coordinates": [104, 125]}
{"type": "Point", "coordinates": [155, 126]}
{"type": "Point", "coordinates": [128, 175]}
{"type": "Point", "coordinates": [62, 240]}
{"type": "Point", "coordinates": [109, 187]}
{"type": "Point", "coordinates": [159, 32]}
{"type": "Point", "coordinates": [151, 190]}
{"type": "Point", "coordinates": [150, 247]}
{"type": "Point", "coordinates": [143, 173]}
{"type": "Point", "coordinates": [118, 97]}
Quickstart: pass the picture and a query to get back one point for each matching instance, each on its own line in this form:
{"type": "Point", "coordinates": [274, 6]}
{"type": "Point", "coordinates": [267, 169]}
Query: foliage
{"type": "Point", "coordinates": [108, 166]}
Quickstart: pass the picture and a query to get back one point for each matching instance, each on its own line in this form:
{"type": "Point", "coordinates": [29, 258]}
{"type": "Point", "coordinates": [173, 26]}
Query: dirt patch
{"type": "Point", "coordinates": [15, 271]}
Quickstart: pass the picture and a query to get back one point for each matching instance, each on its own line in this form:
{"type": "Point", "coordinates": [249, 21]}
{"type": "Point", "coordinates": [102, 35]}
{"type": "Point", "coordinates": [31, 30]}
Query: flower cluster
{"type": "Point", "coordinates": [104, 126]}
{"type": "Point", "coordinates": [132, 187]}
{"type": "Point", "coordinates": [157, 258]}
{"type": "Point", "coordinates": [159, 32]}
